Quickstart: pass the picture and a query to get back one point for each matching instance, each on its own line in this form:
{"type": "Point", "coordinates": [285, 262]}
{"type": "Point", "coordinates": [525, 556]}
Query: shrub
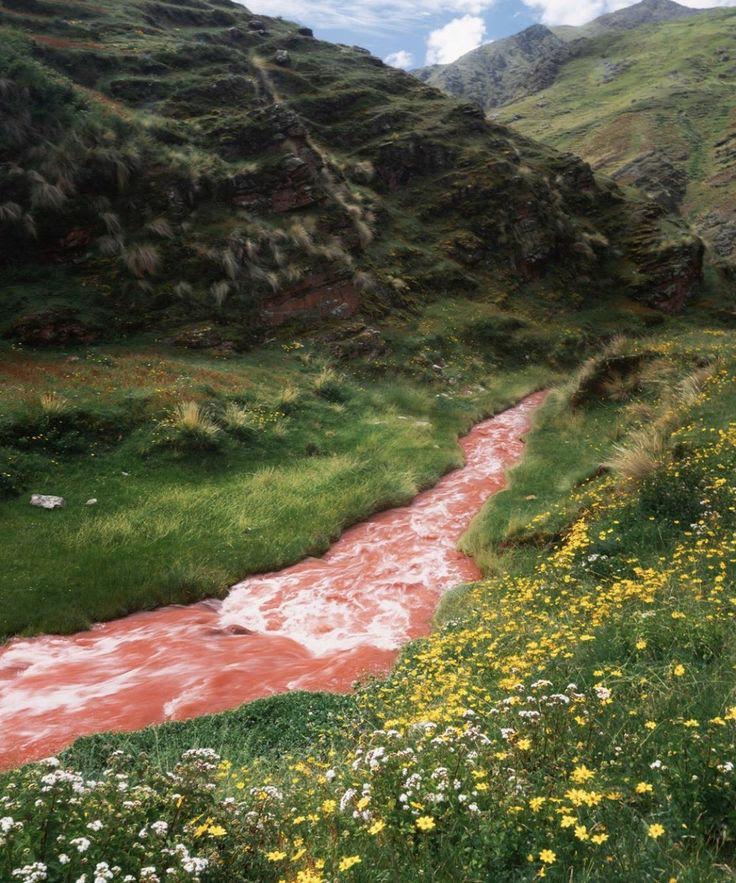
{"type": "Point", "coordinates": [329, 385]}
{"type": "Point", "coordinates": [16, 469]}
{"type": "Point", "coordinates": [58, 426]}
{"type": "Point", "coordinates": [190, 427]}
{"type": "Point", "coordinates": [240, 421]}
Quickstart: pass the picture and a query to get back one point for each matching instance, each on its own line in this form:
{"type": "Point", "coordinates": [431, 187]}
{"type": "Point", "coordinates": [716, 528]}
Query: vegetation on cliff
{"type": "Point", "coordinates": [201, 162]}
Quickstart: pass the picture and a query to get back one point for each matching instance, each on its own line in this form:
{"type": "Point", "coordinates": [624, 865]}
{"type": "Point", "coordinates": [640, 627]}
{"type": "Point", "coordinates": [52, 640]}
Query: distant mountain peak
{"type": "Point", "coordinates": [645, 12]}
{"type": "Point", "coordinates": [503, 70]}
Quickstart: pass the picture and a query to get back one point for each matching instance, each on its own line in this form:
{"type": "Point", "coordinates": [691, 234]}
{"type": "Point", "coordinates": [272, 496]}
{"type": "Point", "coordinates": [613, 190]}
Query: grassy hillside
{"type": "Point", "coordinates": [572, 717]}
{"type": "Point", "coordinates": [204, 470]}
{"type": "Point", "coordinates": [653, 108]}
{"type": "Point", "coordinates": [228, 250]}
{"type": "Point", "coordinates": [202, 162]}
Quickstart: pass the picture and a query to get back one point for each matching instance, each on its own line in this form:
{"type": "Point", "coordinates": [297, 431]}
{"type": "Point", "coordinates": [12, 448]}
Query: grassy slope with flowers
{"type": "Point", "coordinates": [574, 717]}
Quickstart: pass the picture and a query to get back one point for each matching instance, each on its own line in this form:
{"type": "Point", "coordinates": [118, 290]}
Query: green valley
{"type": "Point", "coordinates": [409, 415]}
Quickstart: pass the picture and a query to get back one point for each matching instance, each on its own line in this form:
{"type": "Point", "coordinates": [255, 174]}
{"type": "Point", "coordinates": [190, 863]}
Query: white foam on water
{"type": "Point", "coordinates": [315, 625]}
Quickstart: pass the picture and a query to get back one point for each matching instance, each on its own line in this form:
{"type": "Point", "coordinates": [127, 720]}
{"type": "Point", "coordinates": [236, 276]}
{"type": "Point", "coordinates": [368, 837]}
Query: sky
{"type": "Point", "coordinates": [412, 33]}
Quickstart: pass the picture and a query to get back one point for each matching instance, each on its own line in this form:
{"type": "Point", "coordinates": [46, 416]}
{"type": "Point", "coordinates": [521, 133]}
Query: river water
{"type": "Point", "coordinates": [318, 625]}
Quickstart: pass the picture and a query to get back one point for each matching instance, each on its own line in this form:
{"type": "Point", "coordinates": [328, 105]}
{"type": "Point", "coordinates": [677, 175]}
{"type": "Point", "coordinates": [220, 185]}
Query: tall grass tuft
{"type": "Point", "coordinates": [190, 426]}
{"type": "Point", "coordinates": [640, 455]}
{"type": "Point", "coordinates": [288, 398]}
{"type": "Point", "coordinates": [239, 421]}
{"type": "Point", "coordinates": [329, 385]}
{"type": "Point", "coordinates": [53, 403]}
{"type": "Point", "coordinates": [141, 260]}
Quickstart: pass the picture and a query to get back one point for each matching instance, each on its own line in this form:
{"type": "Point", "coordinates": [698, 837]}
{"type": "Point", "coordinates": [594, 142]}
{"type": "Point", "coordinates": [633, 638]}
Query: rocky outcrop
{"type": "Point", "coordinates": [47, 501]}
{"type": "Point", "coordinates": [59, 326]}
{"type": "Point", "coordinates": [503, 71]}
{"type": "Point", "coordinates": [399, 161]}
{"type": "Point", "coordinates": [656, 175]}
{"type": "Point", "coordinates": [318, 297]}
{"type": "Point", "coordinates": [669, 261]}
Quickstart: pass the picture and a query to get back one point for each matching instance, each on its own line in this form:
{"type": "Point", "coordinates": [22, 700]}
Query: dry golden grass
{"type": "Point", "coordinates": [192, 418]}
{"type": "Point", "coordinates": [53, 403]}
{"type": "Point", "coordinates": [237, 419]}
{"type": "Point", "coordinates": [640, 455]}
{"type": "Point", "coordinates": [288, 397]}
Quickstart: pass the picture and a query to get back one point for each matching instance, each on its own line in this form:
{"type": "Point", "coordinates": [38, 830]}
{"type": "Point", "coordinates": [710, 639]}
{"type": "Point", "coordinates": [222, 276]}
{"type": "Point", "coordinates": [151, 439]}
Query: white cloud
{"type": "Point", "coordinates": [402, 59]}
{"type": "Point", "coordinates": [461, 35]}
{"type": "Point", "coordinates": [578, 12]}
{"type": "Point", "coordinates": [373, 15]}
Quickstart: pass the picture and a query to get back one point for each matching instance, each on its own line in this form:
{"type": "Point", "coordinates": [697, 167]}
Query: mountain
{"type": "Point", "coordinates": [643, 94]}
{"type": "Point", "coordinates": [505, 70]}
{"type": "Point", "coordinates": [200, 161]}
{"type": "Point", "coordinates": [653, 108]}
{"type": "Point", "coordinates": [645, 13]}
{"type": "Point", "coordinates": [502, 71]}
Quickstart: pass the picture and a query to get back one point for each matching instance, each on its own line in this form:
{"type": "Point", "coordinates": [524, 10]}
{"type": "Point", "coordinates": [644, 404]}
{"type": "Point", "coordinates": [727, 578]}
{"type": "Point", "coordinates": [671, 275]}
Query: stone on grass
{"type": "Point", "coordinates": [47, 501]}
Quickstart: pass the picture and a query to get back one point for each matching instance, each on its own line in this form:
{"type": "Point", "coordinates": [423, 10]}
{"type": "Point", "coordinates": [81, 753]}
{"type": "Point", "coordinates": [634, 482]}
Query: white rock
{"type": "Point", "coordinates": [46, 501]}
{"type": "Point", "coordinates": [92, 502]}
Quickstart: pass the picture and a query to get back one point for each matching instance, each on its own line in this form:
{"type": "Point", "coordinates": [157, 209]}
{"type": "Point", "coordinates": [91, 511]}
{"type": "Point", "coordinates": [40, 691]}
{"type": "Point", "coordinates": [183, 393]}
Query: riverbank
{"type": "Point", "coordinates": [319, 625]}
{"type": "Point", "coordinates": [573, 714]}
{"type": "Point", "coordinates": [276, 456]}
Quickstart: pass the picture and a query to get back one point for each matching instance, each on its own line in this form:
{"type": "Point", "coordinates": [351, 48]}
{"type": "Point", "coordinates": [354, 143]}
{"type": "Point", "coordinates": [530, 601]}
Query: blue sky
{"type": "Point", "coordinates": [411, 33]}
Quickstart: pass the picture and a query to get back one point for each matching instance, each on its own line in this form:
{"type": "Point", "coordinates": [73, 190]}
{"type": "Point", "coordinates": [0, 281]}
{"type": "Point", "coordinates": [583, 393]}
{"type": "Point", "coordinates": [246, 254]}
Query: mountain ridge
{"type": "Point", "coordinates": [233, 166]}
{"type": "Point", "coordinates": [505, 70]}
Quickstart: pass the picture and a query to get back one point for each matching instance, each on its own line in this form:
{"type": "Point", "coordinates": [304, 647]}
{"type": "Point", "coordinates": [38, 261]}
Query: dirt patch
{"type": "Point", "coordinates": [65, 43]}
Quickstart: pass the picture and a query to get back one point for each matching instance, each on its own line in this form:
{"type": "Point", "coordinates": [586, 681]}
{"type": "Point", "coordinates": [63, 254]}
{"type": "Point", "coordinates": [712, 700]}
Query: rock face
{"type": "Point", "coordinates": [318, 297]}
{"type": "Point", "coordinates": [53, 327]}
{"type": "Point", "coordinates": [655, 174]}
{"type": "Point", "coordinates": [47, 501]}
{"type": "Point", "coordinates": [503, 71]}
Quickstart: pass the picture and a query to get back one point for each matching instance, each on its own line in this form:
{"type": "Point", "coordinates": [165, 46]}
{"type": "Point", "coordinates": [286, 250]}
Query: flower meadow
{"type": "Point", "coordinates": [574, 719]}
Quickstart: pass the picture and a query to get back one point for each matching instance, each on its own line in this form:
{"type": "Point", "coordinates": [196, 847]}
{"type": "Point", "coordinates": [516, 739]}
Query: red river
{"type": "Point", "coordinates": [318, 625]}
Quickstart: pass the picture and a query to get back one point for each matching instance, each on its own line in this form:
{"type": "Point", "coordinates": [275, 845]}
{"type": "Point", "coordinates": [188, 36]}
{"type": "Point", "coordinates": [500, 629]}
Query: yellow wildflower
{"type": "Point", "coordinates": [654, 831]}
{"type": "Point", "coordinates": [581, 774]}
{"type": "Point", "coordinates": [348, 862]}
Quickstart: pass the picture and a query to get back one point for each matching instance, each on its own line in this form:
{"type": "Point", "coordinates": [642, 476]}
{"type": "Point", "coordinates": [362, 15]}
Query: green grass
{"type": "Point", "coordinates": [626, 611]}
{"type": "Point", "coordinates": [178, 520]}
